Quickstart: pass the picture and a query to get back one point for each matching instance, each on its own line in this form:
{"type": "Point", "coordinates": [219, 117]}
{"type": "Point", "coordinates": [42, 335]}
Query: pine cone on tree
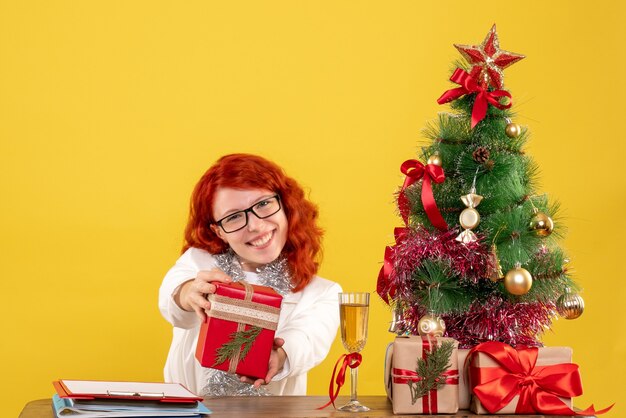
{"type": "Point", "coordinates": [481, 155]}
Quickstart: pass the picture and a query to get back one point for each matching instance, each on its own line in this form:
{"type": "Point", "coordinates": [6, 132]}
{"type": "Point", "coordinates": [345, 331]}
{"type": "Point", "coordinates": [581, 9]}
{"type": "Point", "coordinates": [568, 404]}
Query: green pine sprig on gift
{"type": "Point", "coordinates": [430, 370]}
{"type": "Point", "coordinates": [239, 341]}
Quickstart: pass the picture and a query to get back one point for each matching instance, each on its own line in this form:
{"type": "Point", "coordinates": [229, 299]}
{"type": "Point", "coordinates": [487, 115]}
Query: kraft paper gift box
{"type": "Point", "coordinates": [483, 368]}
{"type": "Point", "coordinates": [465, 393]}
{"type": "Point", "coordinates": [387, 372]}
{"type": "Point", "coordinates": [238, 334]}
{"type": "Point", "coordinates": [401, 372]}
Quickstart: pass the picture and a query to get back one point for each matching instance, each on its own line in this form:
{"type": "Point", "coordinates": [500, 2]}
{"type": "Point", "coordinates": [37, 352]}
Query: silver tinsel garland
{"type": "Point", "coordinates": [275, 275]}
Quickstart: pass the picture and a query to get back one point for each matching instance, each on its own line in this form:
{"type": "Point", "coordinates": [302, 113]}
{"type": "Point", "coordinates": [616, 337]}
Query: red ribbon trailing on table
{"type": "Point", "coordinates": [384, 275]}
{"type": "Point", "coordinates": [538, 387]}
{"type": "Point", "coordinates": [414, 171]}
{"type": "Point", "coordinates": [351, 360]}
{"type": "Point", "coordinates": [469, 84]}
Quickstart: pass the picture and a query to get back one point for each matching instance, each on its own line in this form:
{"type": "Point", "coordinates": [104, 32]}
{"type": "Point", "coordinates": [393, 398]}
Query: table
{"type": "Point", "coordinates": [284, 406]}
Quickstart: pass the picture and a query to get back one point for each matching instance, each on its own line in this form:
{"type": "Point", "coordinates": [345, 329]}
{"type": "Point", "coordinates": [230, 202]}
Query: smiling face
{"type": "Point", "coordinates": [262, 240]}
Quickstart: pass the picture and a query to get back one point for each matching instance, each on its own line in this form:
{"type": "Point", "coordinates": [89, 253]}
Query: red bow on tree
{"type": "Point", "coordinates": [383, 285]}
{"type": "Point", "coordinates": [484, 97]}
{"type": "Point", "coordinates": [538, 387]}
{"type": "Point", "coordinates": [414, 171]}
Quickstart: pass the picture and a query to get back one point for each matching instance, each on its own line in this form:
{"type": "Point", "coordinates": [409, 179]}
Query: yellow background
{"type": "Point", "coordinates": [111, 111]}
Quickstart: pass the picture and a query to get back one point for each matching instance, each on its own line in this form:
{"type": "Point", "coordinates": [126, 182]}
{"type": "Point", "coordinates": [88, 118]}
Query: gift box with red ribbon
{"type": "Point", "coordinates": [238, 334]}
{"type": "Point", "coordinates": [405, 384]}
{"type": "Point", "coordinates": [506, 380]}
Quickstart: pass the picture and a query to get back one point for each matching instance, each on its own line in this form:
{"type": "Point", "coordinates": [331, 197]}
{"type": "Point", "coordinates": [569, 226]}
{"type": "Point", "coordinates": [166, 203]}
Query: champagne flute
{"type": "Point", "coordinates": [353, 313]}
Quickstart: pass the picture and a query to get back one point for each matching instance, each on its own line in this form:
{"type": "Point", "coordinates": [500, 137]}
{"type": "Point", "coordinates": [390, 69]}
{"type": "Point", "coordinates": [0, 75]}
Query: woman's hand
{"type": "Point", "coordinates": [277, 360]}
{"type": "Point", "coordinates": [192, 295]}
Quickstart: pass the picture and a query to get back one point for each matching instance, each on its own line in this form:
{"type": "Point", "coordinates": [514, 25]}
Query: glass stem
{"type": "Point", "coordinates": [353, 378]}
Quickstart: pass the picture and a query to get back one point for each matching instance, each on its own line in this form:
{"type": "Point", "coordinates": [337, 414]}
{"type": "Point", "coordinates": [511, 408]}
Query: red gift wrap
{"type": "Point", "coordinates": [237, 307]}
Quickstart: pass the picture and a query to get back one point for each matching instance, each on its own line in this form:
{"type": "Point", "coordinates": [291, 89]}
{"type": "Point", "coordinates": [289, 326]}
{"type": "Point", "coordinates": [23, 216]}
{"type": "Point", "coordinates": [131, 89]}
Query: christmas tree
{"type": "Point", "coordinates": [477, 257]}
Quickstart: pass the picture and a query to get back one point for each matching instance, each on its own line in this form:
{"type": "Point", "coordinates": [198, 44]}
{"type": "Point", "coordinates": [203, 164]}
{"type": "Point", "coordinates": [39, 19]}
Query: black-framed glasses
{"type": "Point", "coordinates": [238, 220]}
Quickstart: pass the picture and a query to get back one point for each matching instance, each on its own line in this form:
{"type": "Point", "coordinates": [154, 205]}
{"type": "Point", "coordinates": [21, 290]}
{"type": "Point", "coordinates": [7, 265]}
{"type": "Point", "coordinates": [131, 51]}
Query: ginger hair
{"type": "Point", "coordinates": [245, 171]}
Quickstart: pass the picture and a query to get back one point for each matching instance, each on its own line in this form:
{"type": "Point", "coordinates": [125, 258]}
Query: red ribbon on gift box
{"type": "Point", "coordinates": [469, 84]}
{"type": "Point", "coordinates": [429, 402]}
{"type": "Point", "coordinates": [404, 376]}
{"type": "Point", "coordinates": [538, 387]}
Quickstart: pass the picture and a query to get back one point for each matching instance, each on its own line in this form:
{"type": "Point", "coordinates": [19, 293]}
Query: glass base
{"type": "Point", "coordinates": [354, 406]}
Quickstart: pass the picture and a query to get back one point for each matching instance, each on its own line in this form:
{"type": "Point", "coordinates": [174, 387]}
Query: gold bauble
{"type": "Point", "coordinates": [570, 305]}
{"type": "Point", "coordinates": [541, 224]}
{"type": "Point", "coordinates": [431, 325]}
{"type": "Point", "coordinates": [435, 159]}
{"type": "Point", "coordinates": [469, 218]}
{"type": "Point", "coordinates": [512, 130]}
{"type": "Point", "coordinates": [518, 281]}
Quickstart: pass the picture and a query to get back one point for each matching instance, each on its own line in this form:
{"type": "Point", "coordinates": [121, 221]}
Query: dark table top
{"type": "Point", "coordinates": [283, 406]}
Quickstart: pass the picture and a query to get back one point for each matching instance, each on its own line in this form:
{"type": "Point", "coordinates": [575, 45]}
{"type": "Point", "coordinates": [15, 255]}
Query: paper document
{"type": "Point", "coordinates": [64, 407]}
{"type": "Point", "coordinates": [94, 389]}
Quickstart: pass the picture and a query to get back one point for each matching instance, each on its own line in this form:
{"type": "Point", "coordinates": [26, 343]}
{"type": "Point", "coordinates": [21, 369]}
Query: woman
{"type": "Point", "coordinates": [248, 220]}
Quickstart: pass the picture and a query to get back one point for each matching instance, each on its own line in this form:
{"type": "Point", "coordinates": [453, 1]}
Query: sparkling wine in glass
{"type": "Point", "coordinates": [353, 313]}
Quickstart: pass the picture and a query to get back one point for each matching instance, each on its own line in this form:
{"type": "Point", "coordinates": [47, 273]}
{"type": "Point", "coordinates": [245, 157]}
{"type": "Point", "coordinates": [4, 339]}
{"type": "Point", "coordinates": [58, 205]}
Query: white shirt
{"type": "Point", "coordinates": [308, 323]}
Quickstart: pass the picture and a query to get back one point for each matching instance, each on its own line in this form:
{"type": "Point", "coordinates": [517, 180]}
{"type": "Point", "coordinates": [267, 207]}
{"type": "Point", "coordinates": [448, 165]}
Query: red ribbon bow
{"type": "Point", "coordinates": [383, 285]}
{"type": "Point", "coordinates": [538, 387]}
{"type": "Point", "coordinates": [414, 171]}
{"type": "Point", "coordinates": [484, 97]}
{"type": "Point", "coordinates": [351, 360]}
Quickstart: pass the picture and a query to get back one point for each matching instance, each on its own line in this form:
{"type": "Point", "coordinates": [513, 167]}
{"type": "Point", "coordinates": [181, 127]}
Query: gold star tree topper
{"type": "Point", "coordinates": [488, 60]}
